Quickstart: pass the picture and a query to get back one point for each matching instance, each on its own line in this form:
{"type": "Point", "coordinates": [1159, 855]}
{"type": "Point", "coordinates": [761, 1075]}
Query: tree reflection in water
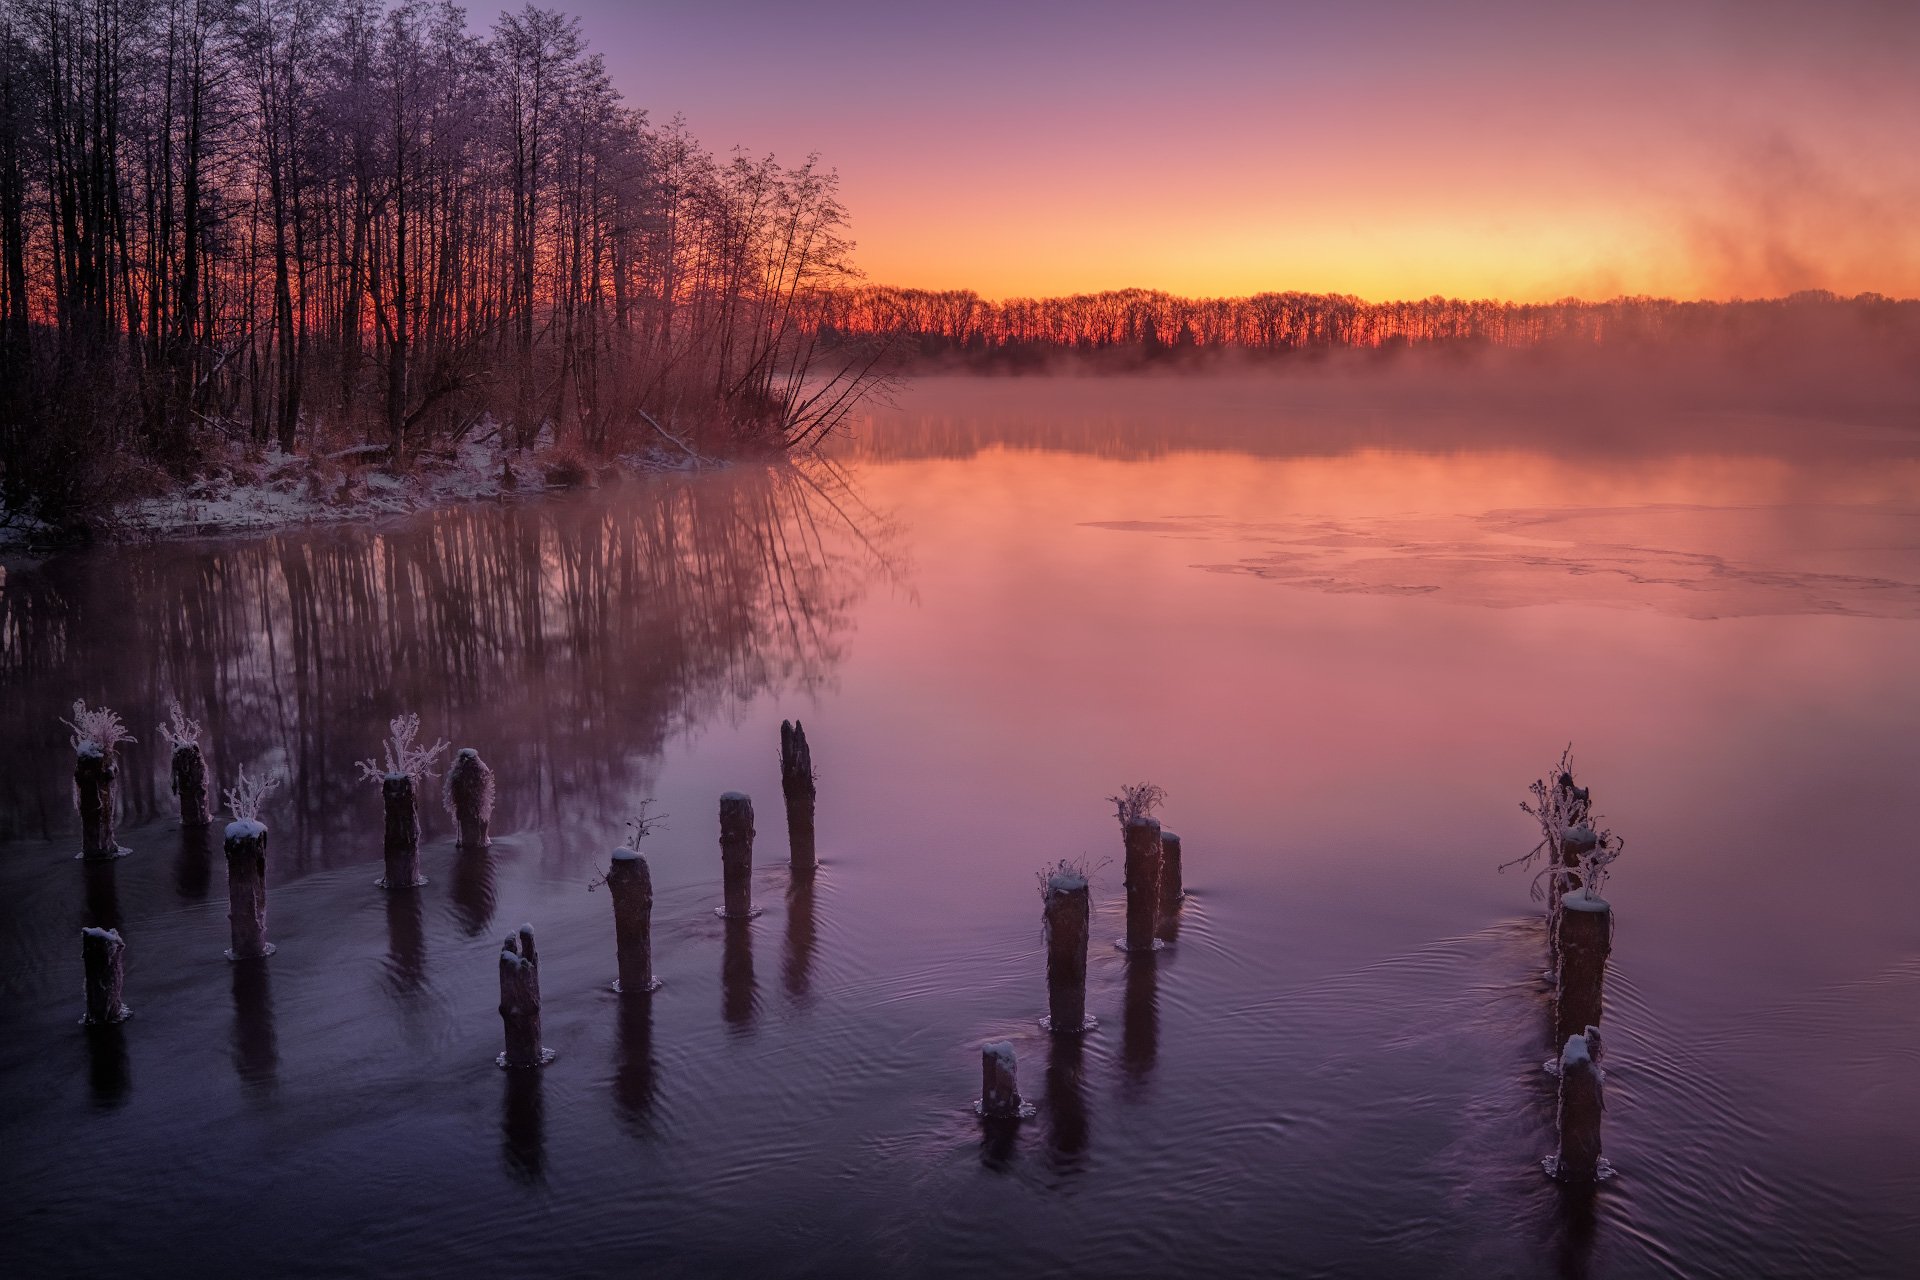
{"type": "Point", "coordinates": [570, 637]}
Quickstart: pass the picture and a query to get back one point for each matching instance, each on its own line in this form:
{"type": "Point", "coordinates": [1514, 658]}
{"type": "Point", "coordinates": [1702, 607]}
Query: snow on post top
{"type": "Point", "coordinates": [1000, 1051]}
{"type": "Point", "coordinates": [1576, 1054]}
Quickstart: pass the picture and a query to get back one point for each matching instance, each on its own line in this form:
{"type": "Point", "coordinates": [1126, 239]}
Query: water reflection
{"type": "Point", "coordinates": [800, 936]}
{"type": "Point", "coordinates": [256, 1046]}
{"type": "Point", "coordinates": [1067, 1128]}
{"type": "Point", "coordinates": [739, 997]}
{"type": "Point", "coordinates": [662, 601]}
{"type": "Point", "coordinates": [1577, 1222]}
{"type": "Point", "coordinates": [109, 1072]}
{"type": "Point", "coordinates": [633, 1072]}
{"type": "Point", "coordinates": [406, 941]}
{"type": "Point", "coordinates": [193, 865]}
{"type": "Point", "coordinates": [523, 1126]}
{"type": "Point", "coordinates": [471, 891]}
{"type": "Point", "coordinates": [1140, 1017]}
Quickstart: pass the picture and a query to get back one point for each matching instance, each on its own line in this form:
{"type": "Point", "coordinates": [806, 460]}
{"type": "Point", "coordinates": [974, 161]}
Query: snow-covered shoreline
{"type": "Point", "coordinates": [268, 491]}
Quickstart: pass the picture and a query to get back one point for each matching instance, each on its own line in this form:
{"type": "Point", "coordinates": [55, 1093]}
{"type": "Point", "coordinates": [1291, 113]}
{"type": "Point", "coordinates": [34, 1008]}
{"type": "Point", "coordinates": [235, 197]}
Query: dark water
{"type": "Point", "coordinates": [1343, 642]}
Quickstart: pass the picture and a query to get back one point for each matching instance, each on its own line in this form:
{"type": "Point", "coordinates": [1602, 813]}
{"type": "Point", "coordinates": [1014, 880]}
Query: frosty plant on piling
{"type": "Point", "coordinates": [408, 764]}
{"type": "Point", "coordinates": [1577, 849]}
{"type": "Point", "coordinates": [1134, 807]}
{"type": "Point", "coordinates": [246, 848]}
{"type": "Point", "coordinates": [404, 757]}
{"type": "Point", "coordinates": [244, 799]}
{"type": "Point", "coordinates": [1137, 802]}
{"type": "Point", "coordinates": [96, 733]}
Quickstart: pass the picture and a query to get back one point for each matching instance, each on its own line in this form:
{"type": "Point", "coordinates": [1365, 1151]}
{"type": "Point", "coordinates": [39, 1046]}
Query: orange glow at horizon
{"type": "Point", "coordinates": [1381, 148]}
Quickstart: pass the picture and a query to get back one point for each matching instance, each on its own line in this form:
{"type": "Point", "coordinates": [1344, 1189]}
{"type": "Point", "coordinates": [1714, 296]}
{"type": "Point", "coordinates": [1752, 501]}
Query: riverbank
{"type": "Point", "coordinates": [265, 490]}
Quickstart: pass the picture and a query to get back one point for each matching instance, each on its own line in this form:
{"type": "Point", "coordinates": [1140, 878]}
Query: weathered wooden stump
{"type": "Point", "coordinates": [1581, 1104]}
{"type": "Point", "coordinates": [1143, 885]}
{"type": "Point", "coordinates": [1586, 939]}
{"type": "Point", "coordinates": [520, 1002]}
{"type": "Point", "coordinates": [1067, 915]}
{"type": "Point", "coordinates": [246, 847]}
{"type": "Point", "coordinates": [630, 884]}
{"type": "Point", "coordinates": [736, 856]}
{"type": "Point", "coordinates": [469, 797]}
{"type": "Point", "coordinates": [797, 785]}
{"type": "Point", "coordinates": [1171, 888]}
{"type": "Point", "coordinates": [102, 953]}
{"type": "Point", "coordinates": [402, 847]}
{"type": "Point", "coordinates": [94, 771]}
{"type": "Point", "coordinates": [190, 784]}
{"type": "Point", "coordinates": [999, 1092]}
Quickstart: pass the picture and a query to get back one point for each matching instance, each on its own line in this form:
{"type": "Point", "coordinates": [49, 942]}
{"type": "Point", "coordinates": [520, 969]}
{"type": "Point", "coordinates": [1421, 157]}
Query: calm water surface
{"type": "Point", "coordinates": [1342, 637]}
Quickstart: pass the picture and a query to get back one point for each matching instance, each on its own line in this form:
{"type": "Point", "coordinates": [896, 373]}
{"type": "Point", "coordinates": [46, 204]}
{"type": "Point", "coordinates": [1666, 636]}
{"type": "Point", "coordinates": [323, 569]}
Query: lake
{"type": "Point", "coordinates": [1343, 629]}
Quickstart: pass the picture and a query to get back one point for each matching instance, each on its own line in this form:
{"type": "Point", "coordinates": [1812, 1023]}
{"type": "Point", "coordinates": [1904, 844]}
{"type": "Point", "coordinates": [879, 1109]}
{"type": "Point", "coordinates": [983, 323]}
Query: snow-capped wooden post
{"type": "Point", "coordinates": [469, 798]}
{"type": "Point", "coordinates": [246, 847]}
{"type": "Point", "coordinates": [1134, 807]}
{"type": "Point", "coordinates": [736, 855]}
{"type": "Point", "coordinates": [1067, 916]}
{"type": "Point", "coordinates": [96, 734]}
{"type": "Point", "coordinates": [1143, 884]}
{"type": "Point", "coordinates": [189, 767]}
{"type": "Point", "coordinates": [1574, 845]}
{"type": "Point", "coordinates": [520, 1002]}
{"type": "Point", "coordinates": [999, 1092]}
{"type": "Point", "coordinates": [630, 884]}
{"type": "Point", "coordinates": [405, 767]}
{"type": "Point", "coordinates": [1581, 1104]}
{"type": "Point", "coordinates": [102, 952]}
{"type": "Point", "coordinates": [797, 784]}
{"type": "Point", "coordinates": [1586, 939]}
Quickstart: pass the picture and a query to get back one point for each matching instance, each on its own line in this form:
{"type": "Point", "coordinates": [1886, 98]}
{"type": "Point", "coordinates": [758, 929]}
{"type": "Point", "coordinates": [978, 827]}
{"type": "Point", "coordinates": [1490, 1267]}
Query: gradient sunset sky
{"type": "Point", "coordinates": [1382, 148]}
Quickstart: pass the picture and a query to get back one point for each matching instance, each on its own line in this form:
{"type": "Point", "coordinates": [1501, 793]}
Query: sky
{"type": "Point", "coordinates": [1391, 150]}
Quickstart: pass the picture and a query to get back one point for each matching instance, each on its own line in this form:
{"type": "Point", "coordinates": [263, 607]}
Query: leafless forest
{"type": "Point", "coordinates": [1126, 327]}
{"type": "Point", "coordinates": [329, 223]}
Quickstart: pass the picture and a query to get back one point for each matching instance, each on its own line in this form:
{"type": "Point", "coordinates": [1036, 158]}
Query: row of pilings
{"type": "Point", "coordinates": [1579, 921]}
{"type": "Point", "coordinates": [1579, 942]}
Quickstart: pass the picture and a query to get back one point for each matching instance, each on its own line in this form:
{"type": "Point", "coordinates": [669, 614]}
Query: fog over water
{"type": "Point", "coordinates": [1342, 620]}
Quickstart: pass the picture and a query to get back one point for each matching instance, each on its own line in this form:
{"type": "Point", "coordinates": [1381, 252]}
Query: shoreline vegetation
{"type": "Point", "coordinates": [336, 229]}
{"type": "Point", "coordinates": [294, 260]}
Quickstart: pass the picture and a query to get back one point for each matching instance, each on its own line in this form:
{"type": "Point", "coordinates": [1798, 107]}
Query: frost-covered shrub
{"type": "Point", "coordinates": [179, 731]}
{"type": "Point", "coordinates": [405, 758]}
{"type": "Point", "coordinates": [1137, 802]}
{"type": "Point", "coordinates": [96, 731]}
{"type": "Point", "coordinates": [1561, 805]}
{"type": "Point", "coordinates": [246, 795]}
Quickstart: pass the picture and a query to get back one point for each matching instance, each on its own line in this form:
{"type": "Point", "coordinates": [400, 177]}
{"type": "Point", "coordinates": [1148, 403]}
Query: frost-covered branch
{"type": "Point", "coordinates": [96, 731]}
{"type": "Point", "coordinates": [643, 824]}
{"type": "Point", "coordinates": [1137, 802]}
{"type": "Point", "coordinates": [179, 731]}
{"type": "Point", "coordinates": [246, 795]}
{"type": "Point", "coordinates": [404, 757]}
{"type": "Point", "coordinates": [1560, 806]}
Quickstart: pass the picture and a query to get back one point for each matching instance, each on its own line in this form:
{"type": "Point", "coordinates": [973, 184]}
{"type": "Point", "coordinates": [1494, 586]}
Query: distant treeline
{"type": "Point", "coordinates": [337, 221]}
{"type": "Point", "coordinates": [1135, 326]}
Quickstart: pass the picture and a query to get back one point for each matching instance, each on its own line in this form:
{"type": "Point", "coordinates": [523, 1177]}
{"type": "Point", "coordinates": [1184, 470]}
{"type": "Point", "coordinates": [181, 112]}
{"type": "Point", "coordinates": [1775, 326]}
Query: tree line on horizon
{"type": "Point", "coordinates": [329, 223]}
{"type": "Point", "coordinates": [1126, 326]}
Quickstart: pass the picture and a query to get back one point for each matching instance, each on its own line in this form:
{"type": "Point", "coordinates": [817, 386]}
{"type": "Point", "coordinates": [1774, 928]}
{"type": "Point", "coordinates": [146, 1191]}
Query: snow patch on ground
{"type": "Point", "coordinates": [264, 491]}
